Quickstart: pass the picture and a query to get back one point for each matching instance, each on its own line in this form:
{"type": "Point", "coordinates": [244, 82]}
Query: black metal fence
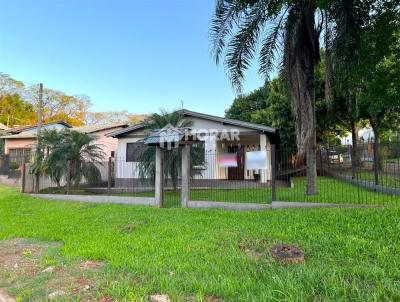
{"type": "Point", "coordinates": [367, 175]}
{"type": "Point", "coordinates": [228, 177]}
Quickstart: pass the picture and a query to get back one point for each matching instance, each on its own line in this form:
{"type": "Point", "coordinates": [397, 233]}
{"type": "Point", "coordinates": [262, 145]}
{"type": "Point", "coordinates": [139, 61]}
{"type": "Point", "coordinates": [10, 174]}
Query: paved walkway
{"type": "Point", "coordinates": [149, 201]}
{"type": "Point", "coordinates": [256, 206]}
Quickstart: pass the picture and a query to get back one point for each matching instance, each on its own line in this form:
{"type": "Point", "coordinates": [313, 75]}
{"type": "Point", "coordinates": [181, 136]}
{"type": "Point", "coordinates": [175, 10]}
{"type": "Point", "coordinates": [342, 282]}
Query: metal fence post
{"type": "Point", "coordinates": [376, 161]}
{"type": "Point", "coordinates": [109, 175]}
{"type": "Point", "coordinates": [69, 176]}
{"type": "Point", "coordinates": [23, 179]}
{"type": "Point", "coordinates": [273, 172]}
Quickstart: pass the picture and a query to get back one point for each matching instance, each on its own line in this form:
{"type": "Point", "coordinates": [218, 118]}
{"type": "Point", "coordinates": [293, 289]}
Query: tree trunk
{"type": "Point", "coordinates": [301, 56]}
{"type": "Point", "coordinates": [379, 160]}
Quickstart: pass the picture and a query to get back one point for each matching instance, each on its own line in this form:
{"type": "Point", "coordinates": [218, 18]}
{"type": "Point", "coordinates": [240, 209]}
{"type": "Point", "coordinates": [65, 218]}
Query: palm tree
{"type": "Point", "coordinates": [172, 161]}
{"type": "Point", "coordinates": [53, 164]}
{"type": "Point", "coordinates": [84, 154]}
{"type": "Point", "coordinates": [61, 147]}
{"type": "Point", "coordinates": [238, 26]}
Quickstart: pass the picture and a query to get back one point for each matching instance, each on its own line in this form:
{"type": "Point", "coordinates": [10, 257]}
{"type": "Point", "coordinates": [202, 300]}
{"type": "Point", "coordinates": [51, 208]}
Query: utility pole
{"type": "Point", "coordinates": [39, 128]}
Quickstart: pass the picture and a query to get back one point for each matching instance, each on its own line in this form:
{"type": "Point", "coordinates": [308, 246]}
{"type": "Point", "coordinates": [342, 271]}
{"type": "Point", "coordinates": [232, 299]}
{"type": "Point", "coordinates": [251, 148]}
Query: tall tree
{"type": "Point", "coordinates": [14, 111]}
{"type": "Point", "coordinates": [238, 26]}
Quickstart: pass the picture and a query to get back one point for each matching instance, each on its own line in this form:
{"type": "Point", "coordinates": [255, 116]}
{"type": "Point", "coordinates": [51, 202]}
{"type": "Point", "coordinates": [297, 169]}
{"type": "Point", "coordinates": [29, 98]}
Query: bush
{"type": "Point", "coordinates": [14, 165]}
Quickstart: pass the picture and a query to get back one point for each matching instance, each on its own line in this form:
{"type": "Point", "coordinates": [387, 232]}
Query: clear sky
{"type": "Point", "coordinates": [135, 55]}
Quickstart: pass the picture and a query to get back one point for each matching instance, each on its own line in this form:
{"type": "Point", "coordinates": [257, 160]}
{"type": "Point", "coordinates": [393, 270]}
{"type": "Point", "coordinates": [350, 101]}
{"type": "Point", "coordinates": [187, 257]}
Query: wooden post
{"type": "Point", "coordinates": [23, 179]}
{"type": "Point", "coordinates": [39, 156]}
{"type": "Point", "coordinates": [109, 175]}
{"type": "Point", "coordinates": [185, 186]}
{"type": "Point", "coordinates": [69, 176]}
{"type": "Point", "coordinates": [273, 171]}
{"type": "Point", "coordinates": [159, 182]}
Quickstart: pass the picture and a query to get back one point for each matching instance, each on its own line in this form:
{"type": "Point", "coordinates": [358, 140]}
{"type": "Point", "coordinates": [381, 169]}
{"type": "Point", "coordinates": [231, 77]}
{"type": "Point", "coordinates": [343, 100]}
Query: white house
{"type": "Point", "coordinates": [229, 147]}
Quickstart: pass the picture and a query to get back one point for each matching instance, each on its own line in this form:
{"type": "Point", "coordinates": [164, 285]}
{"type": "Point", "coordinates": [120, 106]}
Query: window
{"type": "Point", "coordinates": [20, 155]}
{"type": "Point", "coordinates": [133, 151]}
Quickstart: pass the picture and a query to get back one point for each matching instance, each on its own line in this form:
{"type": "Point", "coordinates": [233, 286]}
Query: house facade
{"type": "Point", "coordinates": [19, 143]}
{"type": "Point", "coordinates": [228, 147]}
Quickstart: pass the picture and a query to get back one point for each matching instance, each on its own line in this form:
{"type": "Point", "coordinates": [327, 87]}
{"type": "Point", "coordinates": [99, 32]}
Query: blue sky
{"type": "Point", "coordinates": [126, 55]}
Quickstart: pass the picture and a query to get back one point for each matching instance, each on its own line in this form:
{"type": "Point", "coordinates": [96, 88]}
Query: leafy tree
{"type": "Point", "coordinates": [276, 110]}
{"type": "Point", "coordinates": [244, 106]}
{"type": "Point", "coordinates": [379, 99]}
{"type": "Point", "coordinates": [112, 117]}
{"type": "Point", "coordinates": [14, 111]}
{"type": "Point", "coordinates": [56, 104]}
{"type": "Point", "coordinates": [172, 160]}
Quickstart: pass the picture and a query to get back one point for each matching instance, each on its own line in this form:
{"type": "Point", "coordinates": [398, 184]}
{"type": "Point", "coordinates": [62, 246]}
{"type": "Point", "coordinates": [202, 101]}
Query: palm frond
{"type": "Point", "coordinates": [270, 45]}
{"type": "Point", "coordinates": [227, 14]}
{"type": "Point", "coordinates": [242, 47]}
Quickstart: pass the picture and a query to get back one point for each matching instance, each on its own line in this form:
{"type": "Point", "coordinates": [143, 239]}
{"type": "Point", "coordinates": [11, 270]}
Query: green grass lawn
{"type": "Point", "coordinates": [330, 190]}
{"type": "Point", "coordinates": [385, 180]}
{"type": "Point", "coordinates": [351, 254]}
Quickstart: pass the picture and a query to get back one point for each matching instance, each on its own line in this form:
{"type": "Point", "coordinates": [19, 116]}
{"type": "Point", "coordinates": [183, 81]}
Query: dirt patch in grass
{"type": "Point", "coordinates": [285, 253]}
{"type": "Point", "coordinates": [25, 274]}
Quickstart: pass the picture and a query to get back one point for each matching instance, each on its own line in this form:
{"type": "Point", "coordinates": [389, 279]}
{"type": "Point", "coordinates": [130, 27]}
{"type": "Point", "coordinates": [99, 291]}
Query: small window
{"type": "Point", "coordinates": [112, 154]}
{"type": "Point", "coordinates": [133, 151]}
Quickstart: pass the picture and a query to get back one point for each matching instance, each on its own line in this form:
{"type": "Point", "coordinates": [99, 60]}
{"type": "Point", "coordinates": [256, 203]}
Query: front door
{"type": "Point", "coordinates": [237, 173]}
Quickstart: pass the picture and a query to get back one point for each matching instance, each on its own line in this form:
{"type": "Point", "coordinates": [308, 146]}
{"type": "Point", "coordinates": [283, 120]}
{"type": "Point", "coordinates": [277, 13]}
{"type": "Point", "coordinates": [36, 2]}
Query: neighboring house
{"type": "Point", "coordinates": [218, 142]}
{"type": "Point", "coordinates": [364, 135]}
{"type": "Point", "coordinates": [19, 143]}
{"type": "Point", "coordinates": [107, 143]}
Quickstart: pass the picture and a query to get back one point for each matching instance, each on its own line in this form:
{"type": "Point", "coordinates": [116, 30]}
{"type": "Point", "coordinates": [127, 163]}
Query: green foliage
{"type": "Point", "coordinates": [60, 147]}
{"type": "Point", "coordinates": [244, 106]}
{"type": "Point", "coordinates": [351, 253]}
{"type": "Point", "coordinates": [271, 106]}
{"type": "Point", "coordinates": [172, 159]}
{"type": "Point", "coordinates": [14, 111]}
{"type": "Point", "coordinates": [14, 165]}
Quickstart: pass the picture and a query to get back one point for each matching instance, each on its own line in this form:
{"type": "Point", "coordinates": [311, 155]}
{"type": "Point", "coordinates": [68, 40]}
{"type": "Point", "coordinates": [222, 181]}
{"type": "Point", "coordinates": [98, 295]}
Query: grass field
{"type": "Point", "coordinates": [208, 255]}
{"type": "Point", "coordinates": [385, 180]}
{"type": "Point", "coordinates": [330, 190]}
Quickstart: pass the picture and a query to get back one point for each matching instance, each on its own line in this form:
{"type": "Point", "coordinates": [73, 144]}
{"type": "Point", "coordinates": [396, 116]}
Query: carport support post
{"type": "Point", "coordinates": [273, 172]}
{"type": "Point", "coordinates": [185, 186]}
{"type": "Point", "coordinates": [109, 175]}
{"type": "Point", "coordinates": [159, 182]}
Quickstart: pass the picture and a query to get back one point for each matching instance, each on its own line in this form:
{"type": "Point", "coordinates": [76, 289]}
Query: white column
{"type": "Point", "coordinates": [159, 181]}
{"type": "Point", "coordinates": [265, 175]}
{"type": "Point", "coordinates": [185, 187]}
